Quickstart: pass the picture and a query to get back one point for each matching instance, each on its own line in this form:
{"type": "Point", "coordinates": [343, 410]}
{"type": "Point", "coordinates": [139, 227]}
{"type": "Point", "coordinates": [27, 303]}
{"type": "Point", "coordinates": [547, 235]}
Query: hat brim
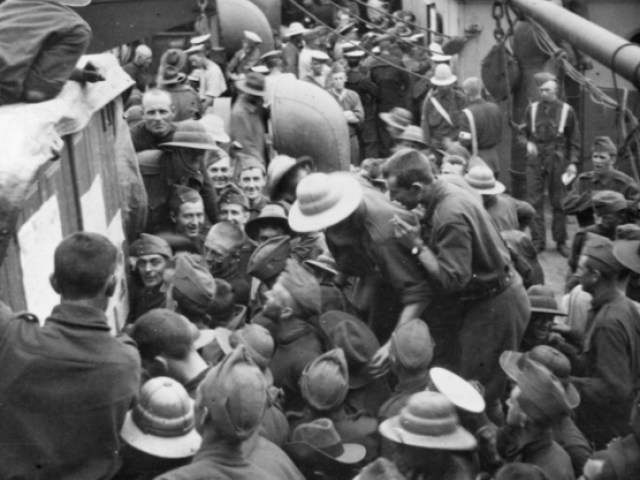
{"type": "Point", "coordinates": [221, 137]}
{"type": "Point", "coordinates": [179, 79]}
{"type": "Point", "coordinates": [296, 32]}
{"type": "Point", "coordinates": [253, 226]}
{"type": "Point", "coordinates": [75, 3]}
{"type": "Point", "coordinates": [442, 83]}
{"type": "Point", "coordinates": [356, 54]}
{"type": "Point", "coordinates": [195, 146]}
{"type": "Point", "coordinates": [551, 311]}
{"type": "Point", "coordinates": [351, 195]}
{"type": "Point", "coordinates": [497, 189]}
{"type": "Point", "coordinates": [200, 39]}
{"type": "Point", "coordinates": [626, 252]}
{"type": "Point", "coordinates": [388, 119]}
{"type": "Point", "coordinates": [415, 140]}
{"type": "Point", "coordinates": [322, 266]}
{"type": "Point", "coordinates": [205, 338]}
{"type": "Point", "coordinates": [459, 439]}
{"type": "Point", "coordinates": [242, 86]}
{"type": "Point", "coordinates": [353, 452]}
{"type": "Point", "coordinates": [165, 447]}
{"type": "Point", "coordinates": [457, 390]}
{"type": "Point", "coordinates": [359, 377]}
{"type": "Point", "coordinates": [274, 181]}
{"type": "Point", "coordinates": [509, 363]}
{"type": "Point", "coordinates": [440, 58]}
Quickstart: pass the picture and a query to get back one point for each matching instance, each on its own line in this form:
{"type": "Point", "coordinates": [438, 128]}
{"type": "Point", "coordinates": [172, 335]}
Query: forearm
{"type": "Point", "coordinates": [411, 312]}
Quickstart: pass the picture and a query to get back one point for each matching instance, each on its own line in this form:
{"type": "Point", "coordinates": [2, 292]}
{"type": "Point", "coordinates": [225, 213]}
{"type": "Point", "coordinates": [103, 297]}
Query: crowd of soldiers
{"type": "Point", "coordinates": [391, 322]}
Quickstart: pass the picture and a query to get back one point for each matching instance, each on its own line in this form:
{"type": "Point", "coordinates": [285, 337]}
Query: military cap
{"type": "Point", "coordinates": [544, 77]}
{"type": "Point", "coordinates": [262, 69]}
{"type": "Point", "coordinates": [252, 36]}
{"type": "Point", "coordinates": [412, 346]}
{"type": "Point", "coordinates": [325, 381]}
{"type": "Point", "coordinates": [180, 195]}
{"type": "Point", "coordinates": [607, 202]}
{"type": "Point", "coordinates": [337, 68]}
{"type": "Point", "coordinates": [604, 144]}
{"type": "Point", "coordinates": [236, 198]}
{"type": "Point", "coordinates": [626, 248]}
{"type": "Point", "coordinates": [258, 341]}
{"type": "Point", "coordinates": [600, 248]}
{"type": "Point", "coordinates": [200, 39]}
{"type": "Point", "coordinates": [194, 283]}
{"type": "Point", "coordinates": [271, 54]}
{"type": "Point", "coordinates": [247, 162]}
{"type": "Point", "coordinates": [319, 56]}
{"type": "Point", "coordinates": [303, 288]}
{"type": "Point", "coordinates": [235, 394]}
{"type": "Point", "coordinates": [150, 245]}
{"type": "Point", "coordinates": [269, 259]}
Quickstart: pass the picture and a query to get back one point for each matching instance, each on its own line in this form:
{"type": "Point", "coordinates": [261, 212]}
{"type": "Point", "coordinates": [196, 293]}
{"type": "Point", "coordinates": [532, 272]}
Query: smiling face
{"type": "Point", "coordinates": [189, 219]}
{"type": "Point", "coordinates": [151, 269]}
{"type": "Point", "coordinates": [252, 181]}
{"type": "Point", "coordinates": [220, 173]}
{"type": "Point", "coordinates": [234, 213]}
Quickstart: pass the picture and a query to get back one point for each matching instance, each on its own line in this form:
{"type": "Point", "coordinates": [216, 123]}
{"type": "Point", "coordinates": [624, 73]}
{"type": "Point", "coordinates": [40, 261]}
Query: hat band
{"type": "Point", "coordinates": [481, 184]}
{"type": "Point", "coordinates": [321, 204]}
{"type": "Point", "coordinates": [333, 451]}
{"type": "Point", "coordinates": [431, 427]}
{"type": "Point", "coordinates": [151, 424]}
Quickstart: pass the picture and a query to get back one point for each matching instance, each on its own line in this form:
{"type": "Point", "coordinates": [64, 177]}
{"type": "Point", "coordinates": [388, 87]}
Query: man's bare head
{"type": "Point", "coordinates": [157, 111]}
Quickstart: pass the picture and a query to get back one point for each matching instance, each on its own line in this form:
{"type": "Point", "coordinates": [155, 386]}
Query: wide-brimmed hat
{"type": "Point", "coordinates": [270, 258]}
{"type": "Point", "coordinates": [271, 54]}
{"type": "Point", "coordinates": [543, 300]}
{"type": "Point", "coordinates": [357, 341]}
{"type": "Point", "coordinates": [626, 248]}
{"type": "Point", "coordinates": [513, 364]}
{"type": "Point", "coordinates": [397, 117]}
{"type": "Point", "coordinates": [325, 262]}
{"type": "Point", "coordinates": [413, 133]}
{"type": "Point", "coordinates": [324, 200]}
{"type": "Point", "coordinates": [429, 420]}
{"type": "Point", "coordinates": [252, 36]}
{"type": "Point", "coordinates": [271, 214]}
{"type": "Point", "coordinates": [252, 84]}
{"type": "Point", "coordinates": [280, 166]}
{"type": "Point", "coordinates": [324, 383]}
{"type": "Point", "coordinates": [162, 423]}
{"type": "Point", "coordinates": [318, 442]}
{"type": "Point", "coordinates": [171, 76]}
{"type": "Point", "coordinates": [443, 76]}
{"type": "Point", "coordinates": [459, 392]}
{"type": "Point", "coordinates": [437, 54]}
{"type": "Point", "coordinates": [296, 28]}
{"type": "Point", "coordinates": [192, 139]}
{"type": "Point", "coordinates": [483, 181]}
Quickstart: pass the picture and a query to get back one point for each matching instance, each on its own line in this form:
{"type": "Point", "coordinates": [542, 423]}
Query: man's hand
{"type": "Point", "coordinates": [572, 170]}
{"type": "Point", "coordinates": [409, 235]}
{"type": "Point", "coordinates": [532, 149]}
{"type": "Point", "coordinates": [379, 364]}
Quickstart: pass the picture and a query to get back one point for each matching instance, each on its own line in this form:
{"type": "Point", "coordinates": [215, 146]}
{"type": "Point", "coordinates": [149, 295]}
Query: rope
{"type": "Point", "coordinates": [370, 53]}
{"type": "Point", "coordinates": [408, 23]}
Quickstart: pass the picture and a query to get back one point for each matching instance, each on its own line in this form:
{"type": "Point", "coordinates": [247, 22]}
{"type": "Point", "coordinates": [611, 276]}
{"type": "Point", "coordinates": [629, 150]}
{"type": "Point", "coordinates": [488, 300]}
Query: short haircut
{"type": "Point", "coordinates": [83, 263]}
{"type": "Point", "coordinates": [162, 332]}
{"type": "Point", "coordinates": [273, 62]}
{"type": "Point", "coordinates": [408, 166]}
{"type": "Point", "coordinates": [521, 471]}
{"type": "Point", "coordinates": [473, 85]}
{"type": "Point", "coordinates": [604, 144]}
{"type": "Point", "coordinates": [157, 92]}
{"type": "Point", "coordinates": [230, 232]}
{"type": "Point", "coordinates": [223, 306]}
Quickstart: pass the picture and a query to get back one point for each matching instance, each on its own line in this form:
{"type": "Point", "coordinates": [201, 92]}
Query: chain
{"type": "Point", "coordinates": [498, 14]}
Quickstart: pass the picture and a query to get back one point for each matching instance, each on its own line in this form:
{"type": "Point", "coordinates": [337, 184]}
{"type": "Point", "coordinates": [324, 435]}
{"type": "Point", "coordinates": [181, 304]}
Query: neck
{"type": "Point", "coordinates": [339, 91]}
{"type": "Point", "coordinates": [100, 302]}
{"type": "Point", "coordinates": [602, 292]}
{"type": "Point", "coordinates": [604, 175]}
{"type": "Point", "coordinates": [406, 377]}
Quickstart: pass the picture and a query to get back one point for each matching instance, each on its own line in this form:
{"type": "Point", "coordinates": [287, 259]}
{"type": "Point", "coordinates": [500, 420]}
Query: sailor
{"type": "Point", "coordinates": [245, 58]}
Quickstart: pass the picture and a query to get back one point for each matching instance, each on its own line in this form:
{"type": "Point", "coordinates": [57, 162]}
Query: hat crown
{"type": "Point", "coordinates": [412, 345]}
{"type": "Point", "coordinates": [195, 138]}
{"type": "Point", "coordinates": [269, 259]}
{"type": "Point", "coordinates": [401, 116]}
{"type": "Point", "coordinates": [443, 73]}
{"type": "Point", "coordinates": [273, 210]}
{"type": "Point", "coordinates": [317, 194]}
{"type": "Point", "coordinates": [542, 395]}
{"type": "Point", "coordinates": [164, 409]}
{"type": "Point", "coordinates": [354, 337]}
{"type": "Point", "coordinates": [413, 133]}
{"type": "Point", "coordinates": [430, 414]}
{"type": "Point", "coordinates": [325, 381]}
{"type": "Point", "coordinates": [150, 245]}
{"type": "Point", "coordinates": [556, 362]}
{"type": "Point", "coordinates": [320, 433]}
{"type": "Point", "coordinates": [258, 342]}
{"type": "Point", "coordinates": [542, 297]}
{"type": "Point", "coordinates": [481, 177]}
{"type": "Point", "coordinates": [194, 282]}
{"type": "Point", "coordinates": [296, 28]}
{"type": "Point", "coordinates": [255, 81]}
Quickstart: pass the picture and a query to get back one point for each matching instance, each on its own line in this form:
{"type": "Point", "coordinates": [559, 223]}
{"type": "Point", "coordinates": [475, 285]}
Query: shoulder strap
{"type": "Point", "coordinates": [563, 118]}
{"type": "Point", "coordinates": [441, 110]}
{"type": "Point", "coordinates": [474, 133]}
{"type": "Point", "coordinates": [534, 113]}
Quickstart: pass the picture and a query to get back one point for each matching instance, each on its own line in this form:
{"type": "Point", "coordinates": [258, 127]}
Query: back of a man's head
{"type": "Point", "coordinates": [83, 263]}
{"type": "Point", "coordinates": [408, 166]}
{"type": "Point", "coordinates": [472, 87]}
{"type": "Point", "coordinates": [161, 332]}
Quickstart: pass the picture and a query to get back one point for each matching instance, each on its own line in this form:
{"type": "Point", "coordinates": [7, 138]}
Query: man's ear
{"type": "Point", "coordinates": [54, 283]}
{"type": "Point", "coordinates": [286, 312]}
{"type": "Point", "coordinates": [172, 216]}
{"type": "Point", "coordinates": [110, 286]}
{"type": "Point", "coordinates": [417, 188]}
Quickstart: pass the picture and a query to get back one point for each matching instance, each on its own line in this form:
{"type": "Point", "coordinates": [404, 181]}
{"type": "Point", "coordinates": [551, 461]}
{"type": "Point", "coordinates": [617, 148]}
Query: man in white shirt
{"type": "Point", "coordinates": [212, 82]}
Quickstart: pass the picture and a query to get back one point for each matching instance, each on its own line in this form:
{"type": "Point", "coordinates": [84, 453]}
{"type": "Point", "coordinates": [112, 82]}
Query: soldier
{"type": "Point", "coordinates": [212, 82]}
{"type": "Point", "coordinates": [186, 211]}
{"type": "Point", "coordinates": [319, 69]}
{"type": "Point", "coordinates": [252, 180]}
{"type": "Point", "coordinates": [247, 122]}
{"type": "Point", "coordinates": [551, 135]}
{"type": "Point", "coordinates": [352, 109]}
{"type": "Point", "coordinates": [245, 58]}
{"type": "Point", "coordinates": [291, 50]}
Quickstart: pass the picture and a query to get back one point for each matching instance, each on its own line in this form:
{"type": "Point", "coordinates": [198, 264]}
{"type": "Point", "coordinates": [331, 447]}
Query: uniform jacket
{"type": "Point", "coordinates": [488, 120]}
{"type": "Point", "coordinates": [145, 299]}
{"type": "Point", "coordinates": [65, 389]}
{"type": "Point", "coordinates": [236, 278]}
{"type": "Point", "coordinates": [370, 397]}
{"type": "Point", "coordinates": [612, 376]}
{"type": "Point", "coordinates": [290, 54]}
{"type": "Point", "coordinates": [247, 128]}
{"type": "Point", "coordinates": [579, 197]}
{"type": "Point", "coordinates": [368, 92]}
{"type": "Point", "coordinates": [394, 85]}
{"type": "Point", "coordinates": [350, 101]}
{"type": "Point", "coordinates": [551, 146]}
{"type": "Point", "coordinates": [241, 63]}
{"type": "Point", "coordinates": [509, 213]}
{"type": "Point", "coordinates": [40, 45]}
{"type": "Point", "coordinates": [143, 139]}
{"type": "Point", "coordinates": [435, 127]}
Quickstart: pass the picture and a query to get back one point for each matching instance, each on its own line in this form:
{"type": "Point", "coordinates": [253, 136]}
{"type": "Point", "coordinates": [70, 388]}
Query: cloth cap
{"type": "Point", "coordinates": [194, 283]}
{"type": "Point", "coordinates": [258, 342]}
{"type": "Point", "coordinates": [235, 198]}
{"type": "Point", "coordinates": [162, 423]}
{"type": "Point", "coordinates": [272, 214]}
{"type": "Point", "coordinates": [600, 248]}
{"type": "Point", "coordinates": [604, 144]}
{"type": "Point", "coordinates": [235, 393]}
{"type": "Point", "coordinates": [608, 202]}
{"type": "Point", "coordinates": [150, 245]}
{"type": "Point", "coordinates": [337, 68]}
{"type": "Point", "coordinates": [543, 397]}
{"type": "Point", "coordinates": [398, 117]}
{"type": "Point", "coordinates": [318, 443]}
{"type": "Point", "coordinates": [325, 381]}
{"type": "Point", "coordinates": [627, 246]}
{"type": "Point", "coordinates": [247, 162]}
{"type": "Point", "coordinates": [482, 180]}
{"type": "Point", "coordinates": [252, 36]}
{"type": "Point", "coordinates": [252, 84]}
{"type": "Point", "coordinates": [429, 420]}
{"type": "Point", "coordinates": [544, 77]}
{"type": "Point", "coordinates": [443, 75]}
{"type": "Point", "coordinates": [270, 258]}
{"type": "Point", "coordinates": [271, 54]}
{"type": "Point", "coordinates": [303, 288]}
{"type": "Point", "coordinates": [214, 156]}
{"type": "Point", "coordinates": [543, 300]}
{"type": "Point", "coordinates": [412, 345]}
{"type": "Point", "coordinates": [513, 364]}
{"type": "Point", "coordinates": [180, 195]}
{"type": "Point", "coordinates": [357, 341]}
{"type": "Point", "coordinates": [413, 133]}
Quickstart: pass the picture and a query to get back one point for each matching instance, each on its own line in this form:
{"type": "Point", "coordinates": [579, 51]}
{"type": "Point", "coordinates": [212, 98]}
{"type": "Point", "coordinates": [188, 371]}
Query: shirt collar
{"type": "Point", "coordinates": [79, 316]}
